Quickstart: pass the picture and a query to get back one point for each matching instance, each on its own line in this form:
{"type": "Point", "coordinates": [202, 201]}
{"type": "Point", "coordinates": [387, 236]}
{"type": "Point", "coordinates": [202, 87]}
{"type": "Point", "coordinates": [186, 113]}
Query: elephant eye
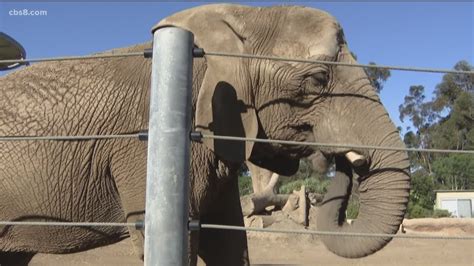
{"type": "Point", "coordinates": [319, 79]}
{"type": "Point", "coordinates": [316, 81]}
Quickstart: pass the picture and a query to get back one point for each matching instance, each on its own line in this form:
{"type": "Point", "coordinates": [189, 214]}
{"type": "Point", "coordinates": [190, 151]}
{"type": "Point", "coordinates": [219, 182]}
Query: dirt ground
{"type": "Point", "coordinates": [279, 249]}
{"type": "Point", "coordinates": [399, 252]}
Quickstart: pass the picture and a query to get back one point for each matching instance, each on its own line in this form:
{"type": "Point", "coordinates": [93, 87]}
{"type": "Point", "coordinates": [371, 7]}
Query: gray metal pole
{"type": "Point", "coordinates": [166, 218]}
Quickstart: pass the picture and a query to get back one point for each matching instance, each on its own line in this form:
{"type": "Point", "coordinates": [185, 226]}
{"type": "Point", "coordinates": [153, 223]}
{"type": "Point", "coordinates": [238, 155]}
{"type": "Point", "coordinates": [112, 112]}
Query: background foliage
{"type": "Point", "coordinates": [446, 121]}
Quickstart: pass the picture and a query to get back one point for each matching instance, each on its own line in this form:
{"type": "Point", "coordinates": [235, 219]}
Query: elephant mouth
{"type": "Point", "coordinates": [278, 164]}
{"type": "Point", "coordinates": [357, 161]}
{"type": "Point", "coordinates": [269, 151]}
{"type": "Point", "coordinates": [284, 159]}
{"type": "Point", "coordinates": [346, 169]}
{"type": "Point", "coordinates": [301, 132]}
{"type": "Point", "coordinates": [281, 159]}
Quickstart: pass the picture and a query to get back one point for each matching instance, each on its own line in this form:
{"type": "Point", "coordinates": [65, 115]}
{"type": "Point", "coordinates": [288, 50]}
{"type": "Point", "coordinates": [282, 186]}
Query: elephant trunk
{"type": "Point", "coordinates": [383, 196]}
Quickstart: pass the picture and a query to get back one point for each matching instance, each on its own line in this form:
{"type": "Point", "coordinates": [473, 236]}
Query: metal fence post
{"type": "Point", "coordinates": [166, 218]}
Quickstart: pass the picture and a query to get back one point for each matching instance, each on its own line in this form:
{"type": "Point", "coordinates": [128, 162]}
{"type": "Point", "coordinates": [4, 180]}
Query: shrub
{"type": "Point", "coordinates": [312, 185]}
{"type": "Point", "coordinates": [416, 211]}
{"type": "Point", "coordinates": [352, 209]}
{"type": "Point", "coordinates": [245, 185]}
{"type": "Point", "coordinates": [439, 213]}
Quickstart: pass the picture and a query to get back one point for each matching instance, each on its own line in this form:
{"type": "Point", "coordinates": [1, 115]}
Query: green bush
{"type": "Point", "coordinates": [245, 185]}
{"type": "Point", "coordinates": [312, 185]}
{"type": "Point", "coordinates": [352, 209]}
{"type": "Point", "coordinates": [417, 211]}
{"type": "Point", "coordinates": [439, 213]}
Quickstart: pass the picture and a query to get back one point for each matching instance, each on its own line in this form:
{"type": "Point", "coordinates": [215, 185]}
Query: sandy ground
{"type": "Point", "coordinates": [398, 252]}
{"type": "Point", "coordinates": [279, 249]}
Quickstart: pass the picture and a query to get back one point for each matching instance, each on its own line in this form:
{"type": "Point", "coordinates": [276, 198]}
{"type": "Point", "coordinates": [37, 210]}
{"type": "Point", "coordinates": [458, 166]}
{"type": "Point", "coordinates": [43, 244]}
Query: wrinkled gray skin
{"type": "Point", "coordinates": [348, 111]}
{"type": "Point", "coordinates": [104, 180]}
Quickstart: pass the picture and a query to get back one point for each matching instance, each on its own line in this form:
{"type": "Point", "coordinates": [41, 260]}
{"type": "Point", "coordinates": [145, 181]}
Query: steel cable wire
{"type": "Point", "coordinates": [250, 56]}
{"type": "Point", "coordinates": [328, 233]}
{"type": "Point", "coordinates": [69, 58]}
{"type": "Point", "coordinates": [334, 145]}
{"type": "Point", "coordinates": [312, 61]}
{"type": "Point", "coordinates": [66, 138]}
{"type": "Point", "coordinates": [241, 228]}
{"type": "Point", "coordinates": [81, 224]}
{"type": "Point", "coordinates": [231, 138]}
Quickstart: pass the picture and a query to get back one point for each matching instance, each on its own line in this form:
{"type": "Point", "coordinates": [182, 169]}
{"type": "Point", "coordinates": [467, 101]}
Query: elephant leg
{"type": "Point", "coordinates": [137, 235]}
{"type": "Point", "coordinates": [126, 169]}
{"type": "Point", "coordinates": [138, 239]}
{"type": "Point", "coordinates": [193, 248]}
{"type": "Point", "coordinates": [134, 212]}
{"type": "Point", "coordinates": [224, 247]}
{"type": "Point", "coordinates": [15, 258]}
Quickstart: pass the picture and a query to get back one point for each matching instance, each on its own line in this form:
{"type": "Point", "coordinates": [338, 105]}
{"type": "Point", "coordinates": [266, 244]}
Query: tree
{"type": "Point", "coordinates": [445, 122]}
{"type": "Point", "coordinates": [455, 96]}
{"type": "Point", "coordinates": [422, 190]}
{"type": "Point", "coordinates": [377, 76]}
{"type": "Point", "coordinates": [418, 111]}
{"type": "Point", "coordinates": [455, 131]}
{"type": "Point", "coordinates": [452, 85]}
{"type": "Point", "coordinates": [455, 171]}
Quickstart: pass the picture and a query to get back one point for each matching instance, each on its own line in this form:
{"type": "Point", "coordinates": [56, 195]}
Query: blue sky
{"type": "Point", "coordinates": [425, 34]}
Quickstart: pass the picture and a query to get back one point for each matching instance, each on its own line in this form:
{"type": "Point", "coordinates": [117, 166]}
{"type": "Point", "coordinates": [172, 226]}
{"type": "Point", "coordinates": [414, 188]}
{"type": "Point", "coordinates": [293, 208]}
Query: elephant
{"type": "Point", "coordinates": [104, 180]}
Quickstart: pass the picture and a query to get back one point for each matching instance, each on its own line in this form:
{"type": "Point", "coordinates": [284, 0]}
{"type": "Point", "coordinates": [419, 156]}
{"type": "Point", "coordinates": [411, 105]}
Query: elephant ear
{"type": "Point", "coordinates": [224, 105]}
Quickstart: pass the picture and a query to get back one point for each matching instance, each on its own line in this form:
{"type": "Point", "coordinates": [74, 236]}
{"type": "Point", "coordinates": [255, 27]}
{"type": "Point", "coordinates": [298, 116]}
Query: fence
{"type": "Point", "coordinates": [169, 125]}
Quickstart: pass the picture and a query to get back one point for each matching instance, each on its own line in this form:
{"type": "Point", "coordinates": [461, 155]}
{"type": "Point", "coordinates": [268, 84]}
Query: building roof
{"type": "Point", "coordinates": [454, 191]}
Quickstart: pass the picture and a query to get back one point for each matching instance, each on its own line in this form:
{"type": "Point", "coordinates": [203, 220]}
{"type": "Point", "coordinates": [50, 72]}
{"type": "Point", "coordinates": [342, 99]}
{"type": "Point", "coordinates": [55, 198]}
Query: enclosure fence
{"type": "Point", "coordinates": [184, 50]}
{"type": "Point", "coordinates": [147, 53]}
{"type": "Point", "coordinates": [198, 135]}
{"type": "Point", "coordinates": [140, 226]}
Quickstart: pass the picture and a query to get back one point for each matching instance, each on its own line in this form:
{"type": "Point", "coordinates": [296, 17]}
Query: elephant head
{"type": "Point", "coordinates": [299, 101]}
{"type": "Point", "coordinates": [244, 97]}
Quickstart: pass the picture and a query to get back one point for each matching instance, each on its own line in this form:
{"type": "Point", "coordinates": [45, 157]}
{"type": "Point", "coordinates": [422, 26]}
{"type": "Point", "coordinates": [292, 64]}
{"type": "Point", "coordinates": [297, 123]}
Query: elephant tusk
{"type": "Point", "coordinates": [355, 158]}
